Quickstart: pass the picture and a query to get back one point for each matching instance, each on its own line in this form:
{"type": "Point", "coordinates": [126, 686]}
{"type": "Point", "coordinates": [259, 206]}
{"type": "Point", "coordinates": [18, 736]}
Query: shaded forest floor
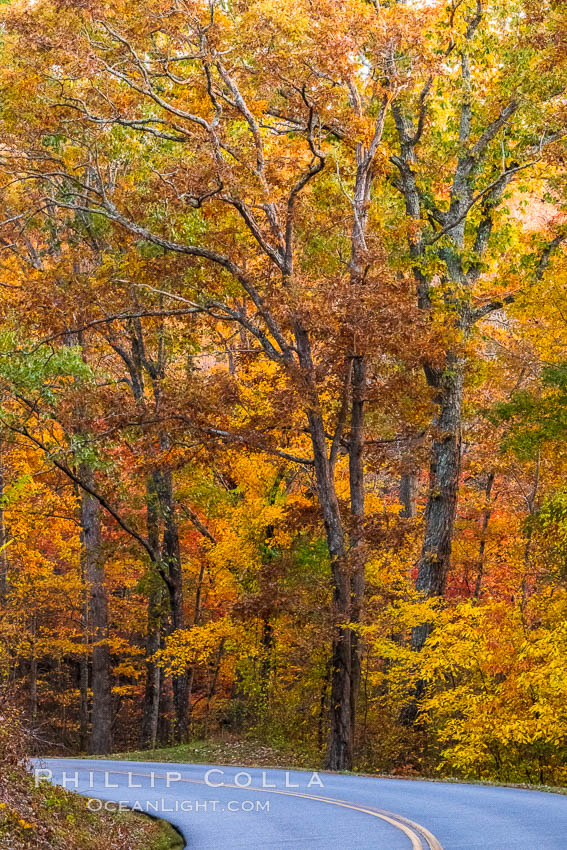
{"type": "Point", "coordinates": [50, 818]}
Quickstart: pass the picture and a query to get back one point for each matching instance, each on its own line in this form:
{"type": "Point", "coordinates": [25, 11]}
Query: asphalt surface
{"type": "Point", "coordinates": [230, 807]}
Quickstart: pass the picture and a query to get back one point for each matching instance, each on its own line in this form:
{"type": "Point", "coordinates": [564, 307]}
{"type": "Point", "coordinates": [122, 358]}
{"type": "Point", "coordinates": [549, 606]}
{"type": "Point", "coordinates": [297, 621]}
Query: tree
{"type": "Point", "coordinates": [252, 196]}
{"type": "Point", "coordinates": [454, 186]}
{"type": "Point", "coordinates": [301, 239]}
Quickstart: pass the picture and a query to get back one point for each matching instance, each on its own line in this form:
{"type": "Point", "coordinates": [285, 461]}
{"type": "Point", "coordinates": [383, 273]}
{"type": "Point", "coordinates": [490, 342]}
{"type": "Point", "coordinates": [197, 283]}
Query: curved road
{"type": "Point", "coordinates": [237, 808]}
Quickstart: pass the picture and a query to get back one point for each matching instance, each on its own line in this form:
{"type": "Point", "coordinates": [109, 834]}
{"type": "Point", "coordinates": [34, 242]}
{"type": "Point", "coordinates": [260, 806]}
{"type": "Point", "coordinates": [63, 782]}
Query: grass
{"type": "Point", "coordinates": [250, 753]}
{"type": "Point", "coordinates": [50, 818]}
{"type": "Point", "coordinates": [245, 752]}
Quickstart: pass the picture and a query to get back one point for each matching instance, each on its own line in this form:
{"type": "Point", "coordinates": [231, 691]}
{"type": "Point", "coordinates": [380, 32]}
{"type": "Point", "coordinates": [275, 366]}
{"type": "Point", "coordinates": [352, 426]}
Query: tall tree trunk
{"type": "Point", "coordinates": [341, 735]}
{"type": "Point", "coordinates": [408, 487]}
{"type": "Point", "coordinates": [266, 657]}
{"type": "Point", "coordinates": [160, 505]}
{"type": "Point", "coordinates": [196, 622]}
{"type": "Point", "coordinates": [33, 671]}
{"type": "Point", "coordinates": [357, 553]}
{"type": "Point", "coordinates": [444, 474]}
{"type": "Point", "coordinates": [153, 640]}
{"type": "Point", "coordinates": [153, 672]}
{"type": "Point", "coordinates": [3, 536]}
{"type": "Point", "coordinates": [83, 705]}
{"type": "Point", "coordinates": [349, 572]}
{"type": "Point", "coordinates": [532, 507]}
{"type": "Point", "coordinates": [348, 583]}
{"type": "Point", "coordinates": [486, 513]}
{"type": "Point", "coordinates": [33, 688]}
{"type": "Point", "coordinates": [339, 753]}
{"type": "Point", "coordinates": [101, 729]}
{"type": "Point", "coordinates": [171, 558]}
{"type": "Point", "coordinates": [322, 704]}
{"type": "Point", "coordinates": [84, 661]}
{"type": "Point", "coordinates": [165, 725]}
{"type": "Point", "coordinates": [213, 684]}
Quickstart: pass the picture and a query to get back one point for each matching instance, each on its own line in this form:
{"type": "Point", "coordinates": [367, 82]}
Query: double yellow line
{"type": "Point", "coordinates": [416, 833]}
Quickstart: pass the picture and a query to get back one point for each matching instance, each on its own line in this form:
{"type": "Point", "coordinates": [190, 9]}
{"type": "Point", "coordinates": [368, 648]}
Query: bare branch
{"type": "Point", "coordinates": [491, 187]}
{"type": "Point", "coordinates": [497, 304]}
{"type": "Point", "coordinates": [199, 525]}
{"type": "Point", "coordinates": [341, 418]}
{"type": "Point", "coordinates": [226, 436]}
{"type": "Point", "coordinates": [547, 253]}
{"type": "Point", "coordinates": [62, 467]}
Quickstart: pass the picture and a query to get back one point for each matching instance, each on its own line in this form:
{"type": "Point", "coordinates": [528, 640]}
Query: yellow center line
{"type": "Point", "coordinates": [408, 827]}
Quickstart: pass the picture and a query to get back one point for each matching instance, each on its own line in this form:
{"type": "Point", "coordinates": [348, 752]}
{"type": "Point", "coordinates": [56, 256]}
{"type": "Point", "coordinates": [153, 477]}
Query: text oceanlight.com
{"type": "Point", "coordinates": [161, 806]}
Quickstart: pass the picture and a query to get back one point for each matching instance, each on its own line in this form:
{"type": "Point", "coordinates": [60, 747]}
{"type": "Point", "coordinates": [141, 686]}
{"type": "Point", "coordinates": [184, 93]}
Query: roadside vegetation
{"type": "Point", "coordinates": [238, 751]}
{"type": "Point", "coordinates": [255, 754]}
{"type": "Point", "coordinates": [47, 817]}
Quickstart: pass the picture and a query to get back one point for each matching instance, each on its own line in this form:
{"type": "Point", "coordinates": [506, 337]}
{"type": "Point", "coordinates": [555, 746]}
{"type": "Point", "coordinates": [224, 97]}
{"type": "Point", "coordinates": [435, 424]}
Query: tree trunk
{"type": "Point", "coordinates": [357, 553]}
{"type": "Point", "coordinates": [532, 507]}
{"type": "Point", "coordinates": [487, 511]}
{"type": "Point", "coordinates": [84, 661]}
{"type": "Point", "coordinates": [171, 559]}
{"type": "Point", "coordinates": [33, 673]}
{"type": "Point", "coordinates": [83, 705]}
{"type": "Point", "coordinates": [152, 694]}
{"type": "Point", "coordinates": [346, 587]}
{"type": "Point", "coordinates": [213, 684]}
{"type": "Point", "coordinates": [444, 474]}
{"type": "Point", "coordinates": [340, 752]}
{"type": "Point", "coordinates": [266, 652]}
{"type": "Point", "coordinates": [153, 640]}
{"type": "Point", "coordinates": [165, 725]}
{"type": "Point", "coordinates": [101, 729]}
{"type": "Point", "coordinates": [322, 704]}
{"type": "Point", "coordinates": [153, 672]}
{"type": "Point", "coordinates": [408, 487]}
{"type": "Point", "coordinates": [3, 537]}
{"type": "Point", "coordinates": [341, 736]}
{"type": "Point", "coordinates": [349, 572]}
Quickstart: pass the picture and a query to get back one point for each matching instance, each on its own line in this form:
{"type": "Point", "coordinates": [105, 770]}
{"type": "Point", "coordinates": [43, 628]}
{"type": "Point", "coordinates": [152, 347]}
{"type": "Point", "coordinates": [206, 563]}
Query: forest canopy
{"type": "Point", "coordinates": [283, 378]}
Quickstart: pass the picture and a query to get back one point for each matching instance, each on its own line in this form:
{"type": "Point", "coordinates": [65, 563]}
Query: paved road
{"type": "Point", "coordinates": [235, 808]}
